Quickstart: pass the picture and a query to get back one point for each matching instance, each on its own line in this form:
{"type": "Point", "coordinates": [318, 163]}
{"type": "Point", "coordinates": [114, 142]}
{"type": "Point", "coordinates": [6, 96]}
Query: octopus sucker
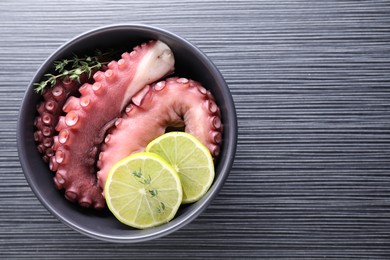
{"type": "Point", "coordinates": [72, 119]}
{"type": "Point", "coordinates": [76, 148]}
{"type": "Point", "coordinates": [98, 88]}
{"type": "Point", "coordinates": [49, 111]}
{"type": "Point", "coordinates": [99, 75]}
{"type": "Point", "coordinates": [46, 131]}
{"type": "Point", "coordinates": [172, 102]}
{"type": "Point", "coordinates": [64, 136]}
{"type": "Point", "coordinates": [84, 102]}
{"type": "Point", "coordinates": [51, 105]}
{"type": "Point", "coordinates": [122, 64]}
{"type": "Point", "coordinates": [47, 118]}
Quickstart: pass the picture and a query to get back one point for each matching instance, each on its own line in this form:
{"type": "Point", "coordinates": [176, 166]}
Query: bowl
{"type": "Point", "coordinates": [191, 63]}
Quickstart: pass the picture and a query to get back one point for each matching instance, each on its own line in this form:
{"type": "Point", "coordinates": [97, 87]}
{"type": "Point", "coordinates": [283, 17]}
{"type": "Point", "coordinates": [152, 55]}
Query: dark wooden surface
{"type": "Point", "coordinates": [311, 83]}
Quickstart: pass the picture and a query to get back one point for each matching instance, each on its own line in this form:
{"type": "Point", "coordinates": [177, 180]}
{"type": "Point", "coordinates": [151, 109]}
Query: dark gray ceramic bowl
{"type": "Point", "coordinates": [191, 63]}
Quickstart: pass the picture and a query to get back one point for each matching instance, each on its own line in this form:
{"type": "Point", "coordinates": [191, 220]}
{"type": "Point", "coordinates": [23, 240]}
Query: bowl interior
{"type": "Point", "coordinates": [190, 63]}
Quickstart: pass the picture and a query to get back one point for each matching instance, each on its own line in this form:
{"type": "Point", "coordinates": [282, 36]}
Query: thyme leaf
{"type": "Point", "coordinates": [153, 192]}
{"type": "Point", "coordinates": [137, 173]}
{"type": "Point", "coordinates": [160, 208]}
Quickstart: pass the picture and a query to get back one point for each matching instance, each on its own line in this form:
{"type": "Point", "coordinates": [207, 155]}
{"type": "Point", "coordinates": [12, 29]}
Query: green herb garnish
{"type": "Point", "coordinates": [72, 68]}
{"type": "Point", "coordinates": [152, 191]}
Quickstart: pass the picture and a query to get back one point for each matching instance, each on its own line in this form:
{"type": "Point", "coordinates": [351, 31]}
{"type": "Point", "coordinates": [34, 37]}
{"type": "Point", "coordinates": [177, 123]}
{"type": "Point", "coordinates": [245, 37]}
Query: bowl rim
{"type": "Point", "coordinates": [218, 182]}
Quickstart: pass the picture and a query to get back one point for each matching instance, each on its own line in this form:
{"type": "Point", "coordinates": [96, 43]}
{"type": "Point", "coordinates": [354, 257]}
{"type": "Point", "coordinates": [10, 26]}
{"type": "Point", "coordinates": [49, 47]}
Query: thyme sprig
{"type": "Point", "coordinates": [152, 191]}
{"type": "Point", "coordinates": [73, 68]}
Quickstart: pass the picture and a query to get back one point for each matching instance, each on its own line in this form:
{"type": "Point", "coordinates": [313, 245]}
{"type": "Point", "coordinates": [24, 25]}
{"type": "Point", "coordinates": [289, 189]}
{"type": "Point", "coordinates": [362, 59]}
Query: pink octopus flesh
{"type": "Point", "coordinates": [126, 102]}
{"type": "Point", "coordinates": [176, 102]}
{"type": "Point", "coordinates": [88, 117]}
{"type": "Point", "coordinates": [49, 111]}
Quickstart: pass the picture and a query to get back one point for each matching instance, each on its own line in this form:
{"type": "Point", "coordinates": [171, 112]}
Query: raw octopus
{"type": "Point", "coordinates": [88, 117]}
{"type": "Point", "coordinates": [72, 146]}
{"type": "Point", "coordinates": [49, 111]}
{"type": "Point", "coordinates": [173, 102]}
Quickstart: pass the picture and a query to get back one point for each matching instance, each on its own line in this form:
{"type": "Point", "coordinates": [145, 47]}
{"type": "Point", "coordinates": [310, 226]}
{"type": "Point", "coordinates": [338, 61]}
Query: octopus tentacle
{"type": "Point", "coordinates": [49, 111]}
{"type": "Point", "coordinates": [172, 102]}
{"type": "Point", "coordinates": [80, 130]}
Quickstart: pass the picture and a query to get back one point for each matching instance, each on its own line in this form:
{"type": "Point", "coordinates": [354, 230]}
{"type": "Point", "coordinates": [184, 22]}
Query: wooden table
{"type": "Point", "coordinates": [311, 83]}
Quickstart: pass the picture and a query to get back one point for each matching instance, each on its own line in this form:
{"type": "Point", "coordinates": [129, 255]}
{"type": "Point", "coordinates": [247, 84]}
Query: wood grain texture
{"type": "Point", "coordinates": [311, 83]}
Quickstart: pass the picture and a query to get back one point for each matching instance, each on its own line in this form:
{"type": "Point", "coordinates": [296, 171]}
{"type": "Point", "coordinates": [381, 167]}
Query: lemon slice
{"type": "Point", "coordinates": [190, 158]}
{"type": "Point", "coordinates": [143, 190]}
